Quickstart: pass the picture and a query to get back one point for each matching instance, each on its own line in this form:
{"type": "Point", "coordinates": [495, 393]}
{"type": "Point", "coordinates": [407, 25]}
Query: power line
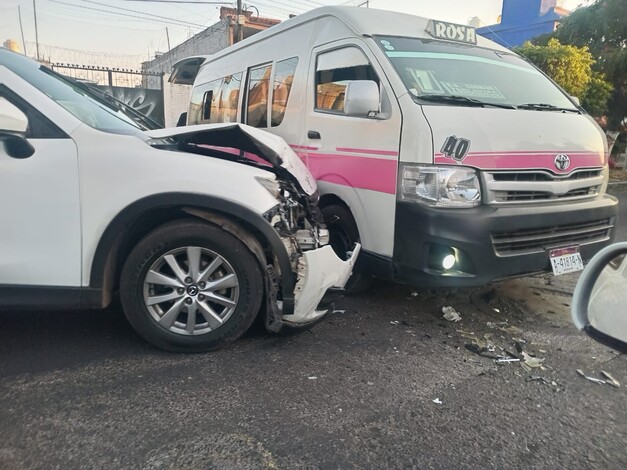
{"type": "Point", "coordinates": [169, 21]}
{"type": "Point", "coordinates": [142, 13]}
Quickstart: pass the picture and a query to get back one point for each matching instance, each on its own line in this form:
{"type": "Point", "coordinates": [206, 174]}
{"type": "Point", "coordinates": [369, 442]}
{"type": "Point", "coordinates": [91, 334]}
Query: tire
{"type": "Point", "coordinates": [343, 234]}
{"type": "Point", "coordinates": [157, 296]}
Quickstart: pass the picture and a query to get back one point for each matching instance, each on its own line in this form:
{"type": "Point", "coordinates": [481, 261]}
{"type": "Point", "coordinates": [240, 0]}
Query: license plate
{"type": "Point", "coordinates": [566, 260]}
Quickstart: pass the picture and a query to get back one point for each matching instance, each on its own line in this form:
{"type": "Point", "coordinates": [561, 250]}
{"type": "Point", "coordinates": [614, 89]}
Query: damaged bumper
{"type": "Point", "coordinates": [318, 271]}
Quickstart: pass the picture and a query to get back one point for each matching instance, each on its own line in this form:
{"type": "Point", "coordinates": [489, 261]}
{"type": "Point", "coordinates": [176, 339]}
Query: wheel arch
{"type": "Point", "coordinates": [141, 217]}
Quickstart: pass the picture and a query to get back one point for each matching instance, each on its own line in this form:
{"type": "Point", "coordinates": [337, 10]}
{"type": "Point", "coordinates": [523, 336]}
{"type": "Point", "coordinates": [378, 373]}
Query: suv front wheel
{"type": "Point", "coordinates": [189, 286]}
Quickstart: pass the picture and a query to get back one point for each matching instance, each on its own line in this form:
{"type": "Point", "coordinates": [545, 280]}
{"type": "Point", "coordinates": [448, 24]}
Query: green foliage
{"type": "Point", "coordinates": [596, 95]}
{"type": "Point", "coordinates": [569, 66]}
{"type": "Point", "coordinates": [602, 28]}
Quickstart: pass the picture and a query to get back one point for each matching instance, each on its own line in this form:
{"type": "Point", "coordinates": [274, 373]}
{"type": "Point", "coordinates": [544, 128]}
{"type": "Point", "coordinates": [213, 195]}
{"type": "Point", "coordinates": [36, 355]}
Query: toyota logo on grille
{"type": "Point", "coordinates": [562, 162]}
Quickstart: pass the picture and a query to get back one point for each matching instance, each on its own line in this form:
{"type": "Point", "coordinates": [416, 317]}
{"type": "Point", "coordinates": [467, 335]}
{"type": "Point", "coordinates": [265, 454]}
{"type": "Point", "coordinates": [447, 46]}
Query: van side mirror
{"type": "Point", "coordinates": [600, 297]}
{"type": "Point", "coordinates": [576, 100]}
{"type": "Point", "coordinates": [12, 120]}
{"type": "Point", "coordinates": [361, 98]}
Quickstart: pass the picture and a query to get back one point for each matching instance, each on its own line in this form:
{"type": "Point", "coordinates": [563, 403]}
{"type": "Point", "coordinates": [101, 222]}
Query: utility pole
{"type": "Point", "coordinates": [240, 29]}
{"type": "Point", "coordinates": [19, 15]}
{"type": "Point", "coordinates": [167, 34]}
{"type": "Point", "coordinates": [36, 31]}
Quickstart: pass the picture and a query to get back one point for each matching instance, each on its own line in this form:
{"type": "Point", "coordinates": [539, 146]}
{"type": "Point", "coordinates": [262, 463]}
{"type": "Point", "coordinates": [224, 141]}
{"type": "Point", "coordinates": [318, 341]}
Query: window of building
{"type": "Point", "coordinates": [258, 87]}
{"type": "Point", "coordinates": [283, 78]}
{"type": "Point", "coordinates": [334, 70]}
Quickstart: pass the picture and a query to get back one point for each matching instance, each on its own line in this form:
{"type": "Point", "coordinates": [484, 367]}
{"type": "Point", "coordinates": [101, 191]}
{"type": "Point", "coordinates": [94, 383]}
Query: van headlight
{"type": "Point", "coordinates": [440, 186]}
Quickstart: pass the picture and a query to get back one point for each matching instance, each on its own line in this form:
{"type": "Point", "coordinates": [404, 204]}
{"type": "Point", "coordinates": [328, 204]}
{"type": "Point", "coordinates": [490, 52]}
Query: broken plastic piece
{"type": "Point", "coordinates": [451, 314]}
{"type": "Point", "coordinates": [506, 359]}
{"type": "Point", "coordinates": [610, 379]}
{"type": "Point", "coordinates": [437, 401]}
{"type": "Point", "coordinates": [591, 379]}
{"type": "Point", "coordinates": [313, 377]}
{"type": "Point", "coordinates": [533, 362]}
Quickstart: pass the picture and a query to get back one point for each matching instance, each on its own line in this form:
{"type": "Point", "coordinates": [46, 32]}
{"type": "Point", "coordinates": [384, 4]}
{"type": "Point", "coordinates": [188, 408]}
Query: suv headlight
{"type": "Point", "coordinates": [440, 186]}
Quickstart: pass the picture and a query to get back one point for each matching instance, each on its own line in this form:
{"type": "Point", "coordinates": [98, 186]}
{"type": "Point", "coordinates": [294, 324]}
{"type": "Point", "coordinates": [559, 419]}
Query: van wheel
{"type": "Point", "coordinates": [190, 287]}
{"type": "Point", "coordinates": [343, 235]}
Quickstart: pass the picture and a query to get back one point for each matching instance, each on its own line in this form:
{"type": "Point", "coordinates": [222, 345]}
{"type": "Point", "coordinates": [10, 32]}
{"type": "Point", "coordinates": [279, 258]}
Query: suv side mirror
{"type": "Point", "coordinates": [576, 100]}
{"type": "Point", "coordinates": [13, 127]}
{"type": "Point", "coordinates": [600, 297]}
{"type": "Point", "coordinates": [362, 98]}
{"type": "Point", "coordinates": [12, 120]}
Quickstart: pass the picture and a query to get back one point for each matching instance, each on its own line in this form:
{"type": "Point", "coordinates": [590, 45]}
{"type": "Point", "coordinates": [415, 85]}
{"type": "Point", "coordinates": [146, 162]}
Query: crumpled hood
{"type": "Point", "coordinates": [500, 139]}
{"type": "Point", "coordinates": [268, 147]}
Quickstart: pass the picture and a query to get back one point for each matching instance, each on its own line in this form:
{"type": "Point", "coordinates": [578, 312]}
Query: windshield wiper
{"type": "Point", "coordinates": [546, 107]}
{"type": "Point", "coordinates": [457, 99]}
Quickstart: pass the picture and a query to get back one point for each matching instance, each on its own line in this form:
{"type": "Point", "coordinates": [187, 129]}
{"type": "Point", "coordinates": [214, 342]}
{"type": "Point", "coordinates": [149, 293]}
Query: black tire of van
{"type": "Point", "coordinates": [180, 235]}
{"type": "Point", "coordinates": [343, 234]}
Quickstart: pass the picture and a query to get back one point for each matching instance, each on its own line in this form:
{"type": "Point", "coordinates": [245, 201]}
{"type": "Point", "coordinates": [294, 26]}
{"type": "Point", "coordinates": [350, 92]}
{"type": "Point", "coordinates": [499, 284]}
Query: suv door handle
{"type": "Point", "coordinates": [313, 134]}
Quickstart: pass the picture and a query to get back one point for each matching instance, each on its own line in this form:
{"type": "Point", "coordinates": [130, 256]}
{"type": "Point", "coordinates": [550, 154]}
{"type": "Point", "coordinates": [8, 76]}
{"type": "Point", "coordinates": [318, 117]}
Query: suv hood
{"type": "Point", "coordinates": [502, 139]}
{"type": "Point", "coordinates": [248, 142]}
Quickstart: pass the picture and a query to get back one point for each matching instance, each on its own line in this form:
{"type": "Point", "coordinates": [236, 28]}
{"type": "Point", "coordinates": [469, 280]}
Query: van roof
{"type": "Point", "coordinates": [362, 21]}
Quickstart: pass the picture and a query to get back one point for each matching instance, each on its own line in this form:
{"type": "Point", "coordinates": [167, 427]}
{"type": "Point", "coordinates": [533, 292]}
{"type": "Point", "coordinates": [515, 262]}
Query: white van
{"type": "Point", "coordinates": [454, 161]}
{"type": "Point", "coordinates": [196, 240]}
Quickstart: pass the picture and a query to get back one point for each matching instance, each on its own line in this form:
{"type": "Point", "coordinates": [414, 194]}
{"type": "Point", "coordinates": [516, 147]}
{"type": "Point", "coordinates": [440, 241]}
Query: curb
{"type": "Point", "coordinates": [617, 185]}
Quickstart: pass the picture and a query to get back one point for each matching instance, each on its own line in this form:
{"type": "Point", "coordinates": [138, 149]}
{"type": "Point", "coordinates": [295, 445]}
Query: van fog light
{"type": "Point", "coordinates": [448, 262]}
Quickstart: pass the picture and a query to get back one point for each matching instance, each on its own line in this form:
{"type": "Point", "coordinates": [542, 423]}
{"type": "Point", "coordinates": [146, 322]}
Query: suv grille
{"type": "Point", "coordinates": [540, 239]}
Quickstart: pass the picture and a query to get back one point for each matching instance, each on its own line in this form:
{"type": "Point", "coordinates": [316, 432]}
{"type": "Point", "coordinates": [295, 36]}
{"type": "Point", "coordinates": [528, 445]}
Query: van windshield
{"type": "Point", "coordinates": [460, 74]}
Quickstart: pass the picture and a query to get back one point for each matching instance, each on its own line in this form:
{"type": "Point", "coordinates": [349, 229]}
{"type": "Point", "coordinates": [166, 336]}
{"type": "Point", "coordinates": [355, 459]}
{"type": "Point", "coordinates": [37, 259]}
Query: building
{"type": "Point", "coordinates": [522, 20]}
{"type": "Point", "coordinates": [211, 40]}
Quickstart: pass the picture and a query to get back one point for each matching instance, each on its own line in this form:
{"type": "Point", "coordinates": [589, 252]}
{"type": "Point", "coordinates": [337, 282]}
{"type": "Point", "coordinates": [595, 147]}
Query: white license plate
{"type": "Point", "coordinates": [566, 260]}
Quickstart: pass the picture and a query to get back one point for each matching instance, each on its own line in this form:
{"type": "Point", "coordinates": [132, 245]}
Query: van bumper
{"type": "Point", "coordinates": [491, 243]}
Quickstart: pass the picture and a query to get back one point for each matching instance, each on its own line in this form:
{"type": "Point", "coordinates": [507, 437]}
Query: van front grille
{"type": "Point", "coordinates": [541, 239]}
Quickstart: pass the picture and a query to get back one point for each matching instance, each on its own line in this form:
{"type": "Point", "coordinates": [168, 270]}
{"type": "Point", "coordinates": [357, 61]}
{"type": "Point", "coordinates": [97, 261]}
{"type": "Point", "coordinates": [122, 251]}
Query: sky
{"type": "Point", "coordinates": [82, 30]}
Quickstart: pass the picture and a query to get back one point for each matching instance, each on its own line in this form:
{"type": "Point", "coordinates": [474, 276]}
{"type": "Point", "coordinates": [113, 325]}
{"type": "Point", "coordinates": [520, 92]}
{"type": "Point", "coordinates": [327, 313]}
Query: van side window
{"type": "Point", "coordinates": [258, 87]}
{"type": "Point", "coordinates": [283, 78]}
{"type": "Point", "coordinates": [200, 106]}
{"type": "Point", "coordinates": [334, 70]}
{"type": "Point", "coordinates": [229, 96]}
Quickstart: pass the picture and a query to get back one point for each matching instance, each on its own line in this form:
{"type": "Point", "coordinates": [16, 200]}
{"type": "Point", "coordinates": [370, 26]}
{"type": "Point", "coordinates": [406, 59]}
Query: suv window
{"type": "Point", "coordinates": [334, 70]}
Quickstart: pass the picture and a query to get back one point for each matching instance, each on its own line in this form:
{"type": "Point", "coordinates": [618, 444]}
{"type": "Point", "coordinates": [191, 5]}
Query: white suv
{"type": "Point", "coordinates": [198, 228]}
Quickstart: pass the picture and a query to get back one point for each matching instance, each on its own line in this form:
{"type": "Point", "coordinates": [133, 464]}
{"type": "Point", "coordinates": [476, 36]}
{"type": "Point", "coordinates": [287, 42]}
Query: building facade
{"type": "Point", "coordinates": [522, 20]}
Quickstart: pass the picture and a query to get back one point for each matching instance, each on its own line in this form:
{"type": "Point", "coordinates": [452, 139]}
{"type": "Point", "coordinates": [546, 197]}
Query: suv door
{"type": "Point", "coordinates": [40, 242]}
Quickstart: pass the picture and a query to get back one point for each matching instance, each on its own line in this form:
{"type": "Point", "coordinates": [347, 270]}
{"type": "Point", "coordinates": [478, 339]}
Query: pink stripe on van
{"type": "Point", "coordinates": [375, 174]}
{"type": "Point", "coordinates": [368, 151]}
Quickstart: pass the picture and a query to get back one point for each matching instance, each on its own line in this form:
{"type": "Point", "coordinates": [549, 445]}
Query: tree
{"type": "Point", "coordinates": [569, 66]}
{"type": "Point", "coordinates": [602, 28]}
{"type": "Point", "coordinates": [572, 68]}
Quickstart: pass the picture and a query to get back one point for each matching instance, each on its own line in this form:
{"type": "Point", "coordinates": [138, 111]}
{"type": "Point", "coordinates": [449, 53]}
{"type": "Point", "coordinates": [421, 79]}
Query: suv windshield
{"type": "Point", "coordinates": [459, 74]}
{"type": "Point", "coordinates": [67, 94]}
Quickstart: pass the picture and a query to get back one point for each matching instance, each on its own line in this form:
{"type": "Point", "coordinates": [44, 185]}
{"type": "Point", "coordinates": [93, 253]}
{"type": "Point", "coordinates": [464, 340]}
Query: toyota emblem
{"type": "Point", "coordinates": [562, 162]}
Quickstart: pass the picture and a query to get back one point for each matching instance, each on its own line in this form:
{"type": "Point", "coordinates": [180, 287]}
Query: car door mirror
{"type": "Point", "coordinates": [12, 119]}
{"type": "Point", "coordinates": [600, 300]}
{"type": "Point", "coordinates": [182, 121]}
{"type": "Point", "coordinates": [362, 98]}
{"type": "Point", "coordinates": [576, 100]}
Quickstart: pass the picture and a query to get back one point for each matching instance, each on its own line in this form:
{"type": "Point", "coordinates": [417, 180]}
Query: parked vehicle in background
{"type": "Point", "coordinates": [195, 235]}
{"type": "Point", "coordinates": [451, 159]}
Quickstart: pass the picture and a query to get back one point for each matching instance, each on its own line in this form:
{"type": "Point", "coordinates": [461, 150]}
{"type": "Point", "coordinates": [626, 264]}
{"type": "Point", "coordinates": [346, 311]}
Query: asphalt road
{"type": "Point", "coordinates": [81, 390]}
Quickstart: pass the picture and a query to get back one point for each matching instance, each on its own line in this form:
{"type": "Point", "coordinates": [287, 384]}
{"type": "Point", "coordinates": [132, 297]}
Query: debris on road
{"type": "Point", "coordinates": [451, 314]}
{"type": "Point", "coordinates": [313, 377]}
{"type": "Point", "coordinates": [502, 360]}
{"type": "Point", "coordinates": [610, 379]}
{"type": "Point", "coordinates": [437, 401]}
{"type": "Point", "coordinates": [339, 311]}
{"type": "Point", "coordinates": [533, 362]}
{"type": "Point", "coordinates": [591, 379]}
